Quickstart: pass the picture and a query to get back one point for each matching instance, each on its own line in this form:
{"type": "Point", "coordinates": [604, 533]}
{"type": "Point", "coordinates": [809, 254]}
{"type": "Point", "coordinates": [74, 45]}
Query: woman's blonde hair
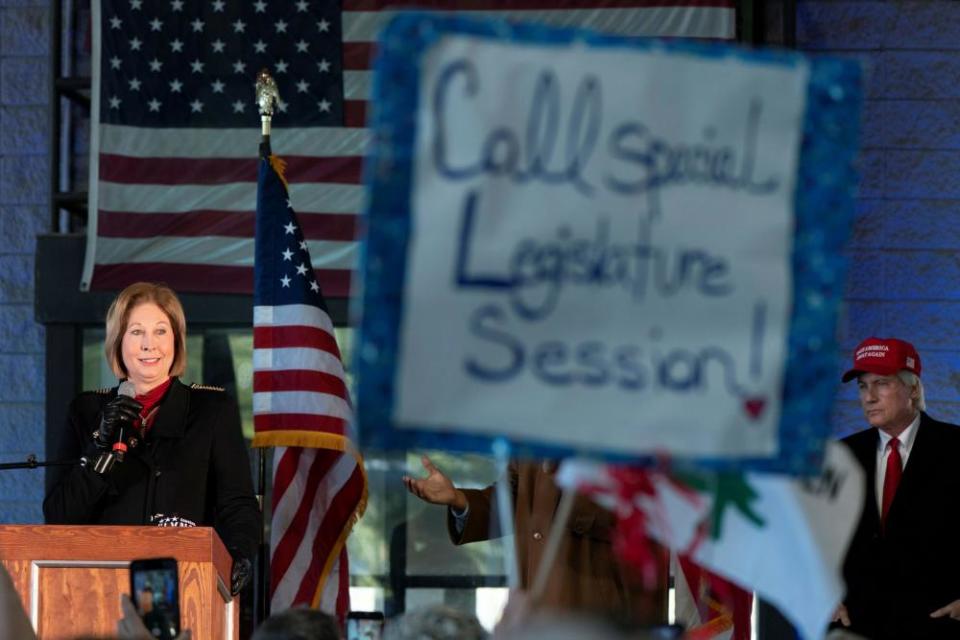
{"type": "Point", "coordinates": [119, 314]}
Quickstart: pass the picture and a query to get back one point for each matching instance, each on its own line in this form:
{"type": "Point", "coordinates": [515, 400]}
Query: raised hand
{"type": "Point", "coordinates": [436, 488]}
{"type": "Point", "coordinates": [841, 615]}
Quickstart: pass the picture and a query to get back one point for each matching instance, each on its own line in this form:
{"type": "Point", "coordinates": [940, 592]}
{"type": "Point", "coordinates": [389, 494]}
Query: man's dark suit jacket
{"type": "Point", "coordinates": [897, 577]}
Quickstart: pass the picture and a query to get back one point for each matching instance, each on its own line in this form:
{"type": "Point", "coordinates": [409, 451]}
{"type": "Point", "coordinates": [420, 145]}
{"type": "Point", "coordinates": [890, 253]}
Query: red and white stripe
{"type": "Point", "coordinates": [315, 498]}
{"type": "Point", "coordinates": [300, 395]}
{"type": "Point", "coordinates": [156, 215]}
{"type": "Point", "coordinates": [299, 383]}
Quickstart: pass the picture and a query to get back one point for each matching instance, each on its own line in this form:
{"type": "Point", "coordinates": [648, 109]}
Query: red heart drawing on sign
{"type": "Point", "coordinates": [754, 407]}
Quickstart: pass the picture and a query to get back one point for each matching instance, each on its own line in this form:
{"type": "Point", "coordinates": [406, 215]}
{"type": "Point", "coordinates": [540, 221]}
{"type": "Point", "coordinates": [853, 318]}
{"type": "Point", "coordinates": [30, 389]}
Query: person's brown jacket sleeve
{"type": "Point", "coordinates": [482, 522]}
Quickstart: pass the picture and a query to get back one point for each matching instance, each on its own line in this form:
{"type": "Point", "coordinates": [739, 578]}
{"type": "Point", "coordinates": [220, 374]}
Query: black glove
{"type": "Point", "coordinates": [241, 574]}
{"type": "Point", "coordinates": [121, 411]}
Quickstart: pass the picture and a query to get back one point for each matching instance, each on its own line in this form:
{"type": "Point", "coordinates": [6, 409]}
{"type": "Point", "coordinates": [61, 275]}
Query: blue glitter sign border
{"type": "Point", "coordinates": [823, 214]}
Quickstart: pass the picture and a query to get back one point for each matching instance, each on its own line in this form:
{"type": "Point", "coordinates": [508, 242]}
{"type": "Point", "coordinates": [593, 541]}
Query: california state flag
{"type": "Point", "coordinates": [782, 537]}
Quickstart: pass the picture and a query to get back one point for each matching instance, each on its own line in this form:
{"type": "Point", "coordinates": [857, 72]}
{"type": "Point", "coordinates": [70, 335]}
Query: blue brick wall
{"type": "Point", "coordinates": [905, 267]}
{"type": "Point", "coordinates": [24, 212]}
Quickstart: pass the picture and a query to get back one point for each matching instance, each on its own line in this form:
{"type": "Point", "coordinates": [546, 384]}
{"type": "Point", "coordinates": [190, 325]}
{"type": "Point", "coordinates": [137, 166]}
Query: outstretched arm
{"type": "Point", "coordinates": [436, 488]}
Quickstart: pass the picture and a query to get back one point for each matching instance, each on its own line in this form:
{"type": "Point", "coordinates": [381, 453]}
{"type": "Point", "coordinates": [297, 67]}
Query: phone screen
{"type": "Point", "coordinates": [153, 587]}
{"type": "Point", "coordinates": [364, 628]}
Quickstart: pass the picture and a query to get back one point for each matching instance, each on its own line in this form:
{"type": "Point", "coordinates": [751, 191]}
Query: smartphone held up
{"type": "Point", "coordinates": [364, 625]}
{"type": "Point", "coordinates": [154, 589]}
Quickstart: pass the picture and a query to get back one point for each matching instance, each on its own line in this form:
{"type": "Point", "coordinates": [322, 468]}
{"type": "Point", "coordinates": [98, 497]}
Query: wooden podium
{"type": "Point", "coordinates": [70, 577]}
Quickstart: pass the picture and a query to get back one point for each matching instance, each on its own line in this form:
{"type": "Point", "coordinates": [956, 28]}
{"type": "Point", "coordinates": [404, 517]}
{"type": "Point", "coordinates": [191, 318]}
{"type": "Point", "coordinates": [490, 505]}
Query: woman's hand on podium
{"type": "Point", "coordinates": [241, 574]}
{"type": "Point", "coordinates": [436, 488]}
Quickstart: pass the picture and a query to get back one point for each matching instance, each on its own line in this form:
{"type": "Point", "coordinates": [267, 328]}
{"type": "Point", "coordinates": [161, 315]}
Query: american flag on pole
{"type": "Point", "coordinates": [301, 406]}
{"type": "Point", "coordinates": [172, 182]}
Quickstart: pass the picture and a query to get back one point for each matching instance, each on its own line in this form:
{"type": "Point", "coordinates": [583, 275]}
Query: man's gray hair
{"type": "Point", "coordinates": [912, 380]}
{"type": "Point", "coordinates": [298, 623]}
{"type": "Point", "coordinates": [435, 622]}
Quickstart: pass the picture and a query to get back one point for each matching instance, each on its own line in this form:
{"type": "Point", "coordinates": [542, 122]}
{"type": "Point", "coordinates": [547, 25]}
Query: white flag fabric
{"type": "Point", "coordinates": [783, 537]}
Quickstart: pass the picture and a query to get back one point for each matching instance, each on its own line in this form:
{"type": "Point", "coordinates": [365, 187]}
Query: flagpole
{"type": "Point", "coordinates": [505, 507]}
{"type": "Point", "coordinates": [267, 97]}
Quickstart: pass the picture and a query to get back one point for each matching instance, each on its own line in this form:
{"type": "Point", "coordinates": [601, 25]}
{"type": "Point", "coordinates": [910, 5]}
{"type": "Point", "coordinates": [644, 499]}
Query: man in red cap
{"type": "Point", "coordinates": [902, 571]}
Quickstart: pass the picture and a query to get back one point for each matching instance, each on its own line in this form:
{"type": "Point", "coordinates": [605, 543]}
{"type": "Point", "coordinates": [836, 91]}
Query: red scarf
{"type": "Point", "coordinates": [149, 401]}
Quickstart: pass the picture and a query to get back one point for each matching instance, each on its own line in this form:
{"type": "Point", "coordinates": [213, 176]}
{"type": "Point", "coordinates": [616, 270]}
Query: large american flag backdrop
{"type": "Point", "coordinates": [172, 180]}
{"type": "Point", "coordinates": [301, 405]}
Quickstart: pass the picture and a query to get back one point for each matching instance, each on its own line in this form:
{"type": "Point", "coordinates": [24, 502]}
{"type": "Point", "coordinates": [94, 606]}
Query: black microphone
{"type": "Point", "coordinates": [126, 388]}
{"type": "Point", "coordinates": [104, 463]}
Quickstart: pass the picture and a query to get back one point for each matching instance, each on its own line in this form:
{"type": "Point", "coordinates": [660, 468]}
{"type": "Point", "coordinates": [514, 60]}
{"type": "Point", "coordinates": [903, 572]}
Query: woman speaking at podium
{"type": "Point", "coordinates": [153, 450]}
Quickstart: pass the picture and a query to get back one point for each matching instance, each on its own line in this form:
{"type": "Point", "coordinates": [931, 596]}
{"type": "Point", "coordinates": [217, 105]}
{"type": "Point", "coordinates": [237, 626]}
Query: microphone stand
{"type": "Point", "coordinates": [32, 463]}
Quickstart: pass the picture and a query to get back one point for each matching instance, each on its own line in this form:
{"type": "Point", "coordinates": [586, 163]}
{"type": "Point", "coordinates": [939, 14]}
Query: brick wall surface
{"type": "Point", "coordinates": [905, 268]}
{"type": "Point", "coordinates": [24, 212]}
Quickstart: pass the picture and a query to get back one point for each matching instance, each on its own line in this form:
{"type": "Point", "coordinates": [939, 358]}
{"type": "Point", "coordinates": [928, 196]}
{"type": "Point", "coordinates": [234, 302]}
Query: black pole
{"type": "Point", "coordinates": [262, 588]}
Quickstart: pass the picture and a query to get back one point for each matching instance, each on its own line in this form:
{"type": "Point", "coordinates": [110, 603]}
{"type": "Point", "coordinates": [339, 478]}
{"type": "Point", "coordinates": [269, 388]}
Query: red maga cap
{"type": "Point", "coordinates": [884, 357]}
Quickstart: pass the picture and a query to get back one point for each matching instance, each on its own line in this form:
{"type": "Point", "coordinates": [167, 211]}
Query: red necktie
{"type": "Point", "coordinates": [891, 478]}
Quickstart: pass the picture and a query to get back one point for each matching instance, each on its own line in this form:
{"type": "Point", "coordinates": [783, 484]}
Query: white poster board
{"type": "Point", "coordinates": [600, 247]}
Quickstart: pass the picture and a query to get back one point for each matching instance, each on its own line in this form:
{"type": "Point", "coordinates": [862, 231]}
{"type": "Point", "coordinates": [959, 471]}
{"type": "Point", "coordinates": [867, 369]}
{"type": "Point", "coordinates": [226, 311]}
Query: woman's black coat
{"type": "Point", "coordinates": [192, 465]}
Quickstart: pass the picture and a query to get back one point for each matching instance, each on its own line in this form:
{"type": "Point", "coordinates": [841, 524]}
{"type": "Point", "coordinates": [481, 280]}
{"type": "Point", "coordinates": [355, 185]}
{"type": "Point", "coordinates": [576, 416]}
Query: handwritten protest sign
{"type": "Point", "coordinates": [592, 246]}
